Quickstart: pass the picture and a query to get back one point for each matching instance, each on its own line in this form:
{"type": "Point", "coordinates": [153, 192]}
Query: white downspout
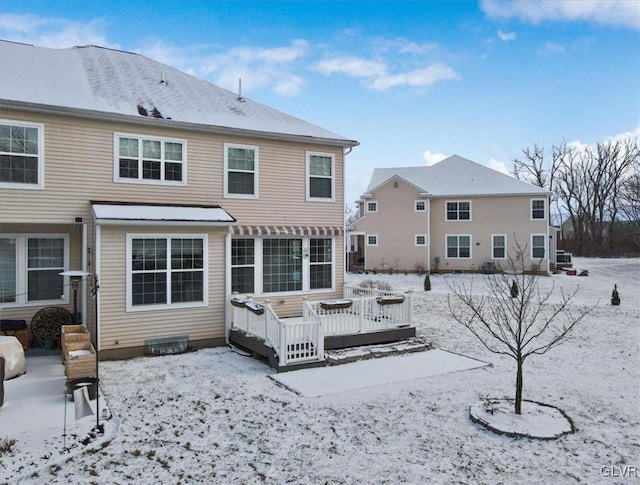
{"type": "Point", "coordinates": [227, 284]}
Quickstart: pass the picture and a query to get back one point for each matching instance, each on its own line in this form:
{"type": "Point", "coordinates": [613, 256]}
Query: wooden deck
{"type": "Point", "coordinates": [297, 343]}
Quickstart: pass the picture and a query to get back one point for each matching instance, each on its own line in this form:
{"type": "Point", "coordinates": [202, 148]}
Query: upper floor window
{"type": "Point", "coordinates": [320, 176]}
{"type": "Point", "coordinates": [420, 206]}
{"type": "Point", "coordinates": [166, 271]}
{"type": "Point", "coordinates": [537, 209]}
{"type": "Point", "coordinates": [31, 267]}
{"type": "Point", "coordinates": [458, 211]}
{"type": "Point", "coordinates": [150, 159]}
{"type": "Point", "coordinates": [240, 171]}
{"type": "Point", "coordinates": [21, 159]}
{"type": "Point", "coordinates": [372, 206]}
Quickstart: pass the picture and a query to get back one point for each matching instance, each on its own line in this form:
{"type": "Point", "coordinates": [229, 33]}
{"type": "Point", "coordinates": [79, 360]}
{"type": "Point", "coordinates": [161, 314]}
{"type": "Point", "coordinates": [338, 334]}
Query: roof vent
{"type": "Point", "coordinates": [163, 80]}
{"type": "Point", "coordinates": [240, 98]}
{"type": "Point", "coordinates": [156, 113]}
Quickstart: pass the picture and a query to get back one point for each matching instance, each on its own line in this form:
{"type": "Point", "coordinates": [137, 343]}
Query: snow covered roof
{"type": "Point", "coordinates": [101, 82]}
{"type": "Point", "coordinates": [122, 213]}
{"type": "Point", "coordinates": [455, 176]}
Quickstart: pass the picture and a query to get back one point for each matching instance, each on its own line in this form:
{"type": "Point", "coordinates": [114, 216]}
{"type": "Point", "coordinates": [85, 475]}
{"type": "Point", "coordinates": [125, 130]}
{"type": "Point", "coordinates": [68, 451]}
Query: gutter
{"type": "Point", "coordinates": [167, 123]}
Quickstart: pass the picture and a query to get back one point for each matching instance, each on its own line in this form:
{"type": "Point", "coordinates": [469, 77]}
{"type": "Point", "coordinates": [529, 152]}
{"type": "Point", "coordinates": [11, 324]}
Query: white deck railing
{"type": "Point", "coordinates": [293, 342]}
{"type": "Point", "coordinates": [362, 310]}
{"type": "Point", "coordinates": [364, 313]}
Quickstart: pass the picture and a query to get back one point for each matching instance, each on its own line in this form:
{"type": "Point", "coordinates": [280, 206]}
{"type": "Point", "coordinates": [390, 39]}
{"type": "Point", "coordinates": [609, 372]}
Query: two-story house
{"type": "Point", "coordinates": [456, 215]}
{"type": "Point", "coordinates": [170, 192]}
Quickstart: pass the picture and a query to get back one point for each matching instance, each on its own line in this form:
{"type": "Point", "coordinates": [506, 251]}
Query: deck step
{"type": "Point", "coordinates": [354, 354]}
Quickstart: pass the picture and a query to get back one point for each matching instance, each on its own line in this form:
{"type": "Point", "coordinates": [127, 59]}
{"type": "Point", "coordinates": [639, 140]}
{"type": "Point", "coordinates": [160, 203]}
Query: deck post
{"type": "Point", "coordinates": [410, 307]}
{"type": "Point", "coordinates": [361, 316]}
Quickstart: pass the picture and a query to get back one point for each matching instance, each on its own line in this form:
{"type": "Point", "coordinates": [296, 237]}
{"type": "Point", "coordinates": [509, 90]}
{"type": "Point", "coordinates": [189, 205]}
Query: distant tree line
{"type": "Point", "coordinates": [596, 194]}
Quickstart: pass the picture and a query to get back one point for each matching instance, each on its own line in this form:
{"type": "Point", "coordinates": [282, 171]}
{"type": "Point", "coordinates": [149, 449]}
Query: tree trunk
{"type": "Point", "coordinates": [518, 402]}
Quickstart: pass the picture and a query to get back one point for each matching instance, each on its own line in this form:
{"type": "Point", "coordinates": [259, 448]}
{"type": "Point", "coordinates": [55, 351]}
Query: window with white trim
{"type": "Point", "coordinates": [240, 170]}
{"type": "Point", "coordinates": [243, 253]}
{"type": "Point", "coordinates": [420, 206]}
{"type": "Point", "coordinates": [30, 267]}
{"type": "Point", "coordinates": [21, 159]}
{"type": "Point", "coordinates": [166, 271]}
{"type": "Point", "coordinates": [320, 264]}
{"type": "Point", "coordinates": [372, 239]}
{"type": "Point", "coordinates": [498, 246]}
{"type": "Point", "coordinates": [281, 265]}
{"type": "Point", "coordinates": [538, 245]}
{"type": "Point", "coordinates": [458, 210]}
{"type": "Point", "coordinates": [458, 246]}
{"type": "Point", "coordinates": [421, 239]}
{"type": "Point", "coordinates": [320, 176]}
{"type": "Point", "coordinates": [146, 159]}
{"type": "Point", "coordinates": [538, 211]}
{"type": "Point", "coordinates": [372, 206]}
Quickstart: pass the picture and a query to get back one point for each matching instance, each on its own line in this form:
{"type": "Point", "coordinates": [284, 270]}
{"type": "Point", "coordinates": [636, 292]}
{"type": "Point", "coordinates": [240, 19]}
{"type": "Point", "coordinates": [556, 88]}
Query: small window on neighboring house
{"type": "Point", "coordinates": [21, 157]}
{"type": "Point", "coordinates": [150, 160]}
{"type": "Point", "coordinates": [537, 209]}
{"type": "Point", "coordinates": [320, 176]}
{"type": "Point", "coordinates": [240, 171]}
{"type": "Point", "coordinates": [421, 240]}
{"type": "Point", "coordinates": [538, 246]}
{"type": "Point", "coordinates": [421, 206]}
{"type": "Point", "coordinates": [499, 246]}
{"type": "Point", "coordinates": [372, 206]}
{"type": "Point", "coordinates": [458, 211]}
{"type": "Point", "coordinates": [459, 246]}
{"type": "Point", "coordinates": [372, 240]}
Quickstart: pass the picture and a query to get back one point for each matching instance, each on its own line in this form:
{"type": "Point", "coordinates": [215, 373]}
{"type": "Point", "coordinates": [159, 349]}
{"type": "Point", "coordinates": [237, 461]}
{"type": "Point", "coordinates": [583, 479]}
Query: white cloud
{"type": "Point", "coordinates": [415, 79]}
{"type": "Point", "coordinates": [498, 166]}
{"type": "Point", "coordinates": [627, 135]}
{"type": "Point", "coordinates": [258, 67]}
{"type": "Point", "coordinates": [506, 36]}
{"type": "Point", "coordinates": [611, 12]}
{"type": "Point", "coordinates": [52, 32]}
{"type": "Point", "coordinates": [433, 158]}
{"type": "Point", "coordinates": [351, 66]}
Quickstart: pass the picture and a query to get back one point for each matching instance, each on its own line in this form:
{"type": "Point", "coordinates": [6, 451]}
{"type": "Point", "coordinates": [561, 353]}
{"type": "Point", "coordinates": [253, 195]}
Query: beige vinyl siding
{"type": "Point", "coordinates": [74, 233]}
{"type": "Point", "coordinates": [509, 215]}
{"type": "Point", "coordinates": [396, 223]}
{"type": "Point", "coordinates": [120, 329]}
{"type": "Point", "coordinates": [79, 166]}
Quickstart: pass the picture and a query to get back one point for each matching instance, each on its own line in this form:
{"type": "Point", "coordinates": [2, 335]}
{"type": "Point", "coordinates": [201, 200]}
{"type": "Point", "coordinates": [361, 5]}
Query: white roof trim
{"type": "Point", "coordinates": [132, 214]}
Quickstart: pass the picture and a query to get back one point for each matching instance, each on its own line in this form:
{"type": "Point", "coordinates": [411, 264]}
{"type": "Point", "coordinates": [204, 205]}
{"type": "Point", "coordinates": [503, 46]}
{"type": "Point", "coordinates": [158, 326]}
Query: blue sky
{"type": "Point", "coordinates": [411, 81]}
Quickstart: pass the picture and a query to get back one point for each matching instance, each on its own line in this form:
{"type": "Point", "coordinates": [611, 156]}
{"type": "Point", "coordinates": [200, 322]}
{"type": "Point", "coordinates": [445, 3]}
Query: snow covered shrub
{"type": "Point", "coordinates": [376, 285]}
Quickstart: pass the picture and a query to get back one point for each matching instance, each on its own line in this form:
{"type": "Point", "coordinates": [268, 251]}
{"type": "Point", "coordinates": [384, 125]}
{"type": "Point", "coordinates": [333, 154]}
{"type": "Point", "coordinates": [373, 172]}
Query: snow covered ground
{"type": "Point", "coordinates": [214, 416]}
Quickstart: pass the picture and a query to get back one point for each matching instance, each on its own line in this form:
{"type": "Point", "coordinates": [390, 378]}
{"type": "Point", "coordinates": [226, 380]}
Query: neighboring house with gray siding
{"type": "Point", "coordinates": [456, 215]}
{"type": "Point", "coordinates": [174, 192]}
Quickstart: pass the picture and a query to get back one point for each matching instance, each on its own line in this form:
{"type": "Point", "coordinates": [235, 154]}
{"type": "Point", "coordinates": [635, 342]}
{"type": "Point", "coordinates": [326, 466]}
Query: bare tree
{"type": "Point", "coordinates": [519, 326]}
{"type": "Point", "coordinates": [587, 186]}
